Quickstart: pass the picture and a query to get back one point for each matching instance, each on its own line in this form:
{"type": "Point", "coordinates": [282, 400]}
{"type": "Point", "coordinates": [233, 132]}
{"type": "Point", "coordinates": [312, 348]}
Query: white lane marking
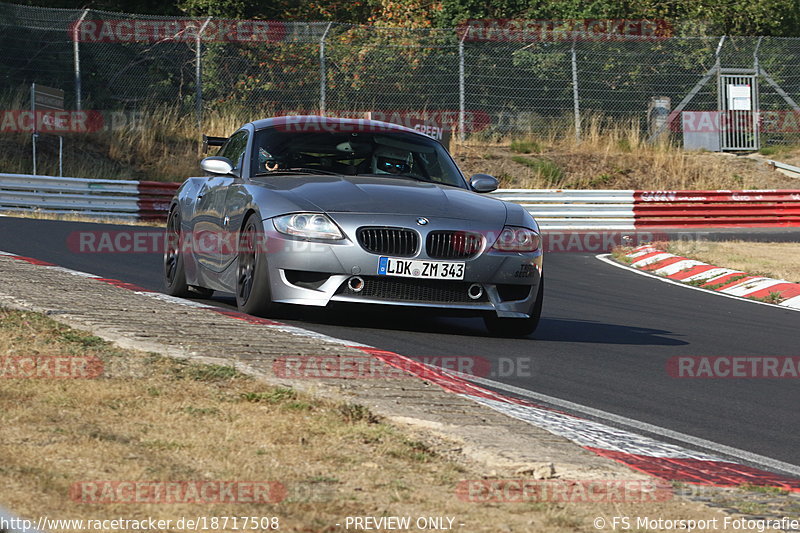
{"type": "Point", "coordinates": [753, 285]}
{"type": "Point", "coordinates": [72, 272]}
{"type": "Point", "coordinates": [642, 251]}
{"type": "Point", "coordinates": [698, 442]}
{"type": "Point", "coordinates": [594, 434]}
{"type": "Point", "coordinates": [708, 274]}
{"type": "Point", "coordinates": [674, 268]}
{"type": "Point", "coordinates": [792, 303]}
{"type": "Point", "coordinates": [652, 259]}
{"type": "Point", "coordinates": [727, 272]}
{"type": "Point", "coordinates": [606, 258]}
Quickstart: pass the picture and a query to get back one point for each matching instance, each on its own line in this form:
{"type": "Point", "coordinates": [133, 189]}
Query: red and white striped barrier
{"type": "Point", "coordinates": [764, 208]}
{"type": "Point", "coordinates": [564, 209]}
{"type": "Point", "coordinates": [724, 280]}
{"type": "Point", "coordinates": [147, 200]}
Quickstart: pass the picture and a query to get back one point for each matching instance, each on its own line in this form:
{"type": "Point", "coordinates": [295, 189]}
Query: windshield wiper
{"type": "Point", "coordinates": [298, 170]}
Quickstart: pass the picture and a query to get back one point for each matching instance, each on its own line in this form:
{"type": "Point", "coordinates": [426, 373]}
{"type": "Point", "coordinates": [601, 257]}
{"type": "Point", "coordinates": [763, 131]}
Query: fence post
{"type": "Point", "coordinates": [462, 135]}
{"type": "Point", "coordinates": [76, 55]}
{"type": "Point", "coordinates": [35, 134]}
{"type": "Point", "coordinates": [198, 76]}
{"type": "Point", "coordinates": [323, 81]}
{"type": "Point", "coordinates": [755, 54]}
{"type": "Point", "coordinates": [675, 114]}
{"type": "Point", "coordinates": [575, 101]}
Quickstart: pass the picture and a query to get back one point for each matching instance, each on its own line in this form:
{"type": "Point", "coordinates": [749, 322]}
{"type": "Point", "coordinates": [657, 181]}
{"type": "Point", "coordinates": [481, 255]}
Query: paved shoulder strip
{"type": "Point", "coordinates": [667, 461]}
{"type": "Point", "coordinates": [723, 280]}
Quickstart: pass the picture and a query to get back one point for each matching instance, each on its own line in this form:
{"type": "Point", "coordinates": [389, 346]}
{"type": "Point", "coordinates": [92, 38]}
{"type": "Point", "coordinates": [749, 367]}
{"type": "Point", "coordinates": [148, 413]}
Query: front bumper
{"type": "Point", "coordinates": [315, 273]}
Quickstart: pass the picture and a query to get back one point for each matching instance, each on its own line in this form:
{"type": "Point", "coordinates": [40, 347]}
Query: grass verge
{"type": "Point", "coordinates": [147, 418]}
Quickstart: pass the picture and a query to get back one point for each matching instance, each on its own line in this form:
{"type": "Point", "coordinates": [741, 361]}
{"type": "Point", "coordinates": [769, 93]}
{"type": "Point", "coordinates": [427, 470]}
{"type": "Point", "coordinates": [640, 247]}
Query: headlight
{"type": "Point", "coordinates": [308, 225]}
{"type": "Point", "coordinates": [516, 239]}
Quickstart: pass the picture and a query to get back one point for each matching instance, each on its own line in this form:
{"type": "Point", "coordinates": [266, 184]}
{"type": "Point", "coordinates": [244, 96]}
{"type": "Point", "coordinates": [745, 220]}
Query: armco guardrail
{"type": "Point", "coordinates": [102, 198]}
{"type": "Point", "coordinates": [554, 209]}
{"type": "Point", "coordinates": [575, 209]}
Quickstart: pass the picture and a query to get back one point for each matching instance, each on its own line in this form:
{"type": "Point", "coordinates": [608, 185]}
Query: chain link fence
{"type": "Point", "coordinates": [489, 87]}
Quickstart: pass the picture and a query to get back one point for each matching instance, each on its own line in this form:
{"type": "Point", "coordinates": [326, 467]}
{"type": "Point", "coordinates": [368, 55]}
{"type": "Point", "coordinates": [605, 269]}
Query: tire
{"type": "Point", "coordinates": [517, 327]}
{"type": "Point", "coordinates": [253, 295]}
{"type": "Point", "coordinates": [173, 269]}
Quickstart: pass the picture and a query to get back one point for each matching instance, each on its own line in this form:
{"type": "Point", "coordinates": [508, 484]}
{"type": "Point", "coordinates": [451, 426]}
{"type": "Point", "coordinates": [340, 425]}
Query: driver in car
{"type": "Point", "coordinates": [387, 160]}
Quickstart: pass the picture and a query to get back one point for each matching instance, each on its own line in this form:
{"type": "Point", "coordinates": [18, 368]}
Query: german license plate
{"type": "Point", "coordinates": [407, 268]}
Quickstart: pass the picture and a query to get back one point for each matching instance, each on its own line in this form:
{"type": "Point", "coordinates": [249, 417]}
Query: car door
{"type": "Point", "coordinates": [209, 229]}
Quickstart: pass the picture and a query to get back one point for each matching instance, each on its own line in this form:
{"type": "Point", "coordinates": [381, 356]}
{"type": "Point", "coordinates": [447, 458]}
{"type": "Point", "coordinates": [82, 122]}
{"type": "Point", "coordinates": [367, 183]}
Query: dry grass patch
{"type": "Point", "coordinates": [162, 143]}
{"type": "Point", "coordinates": [612, 156]}
{"type": "Point", "coordinates": [780, 260]}
{"type": "Point", "coordinates": [149, 418]}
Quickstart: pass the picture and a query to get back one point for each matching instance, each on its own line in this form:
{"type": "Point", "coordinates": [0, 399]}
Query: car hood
{"type": "Point", "coordinates": [378, 195]}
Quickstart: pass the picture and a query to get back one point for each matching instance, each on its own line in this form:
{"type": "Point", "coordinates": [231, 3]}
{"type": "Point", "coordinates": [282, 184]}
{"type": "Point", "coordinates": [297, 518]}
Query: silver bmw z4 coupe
{"type": "Point", "coordinates": [310, 210]}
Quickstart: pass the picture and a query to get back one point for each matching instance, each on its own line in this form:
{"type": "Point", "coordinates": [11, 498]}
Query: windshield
{"type": "Point", "coordinates": [384, 153]}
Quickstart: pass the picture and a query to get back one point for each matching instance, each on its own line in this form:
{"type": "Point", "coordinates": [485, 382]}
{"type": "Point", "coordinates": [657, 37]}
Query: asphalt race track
{"type": "Point", "coordinates": [604, 340]}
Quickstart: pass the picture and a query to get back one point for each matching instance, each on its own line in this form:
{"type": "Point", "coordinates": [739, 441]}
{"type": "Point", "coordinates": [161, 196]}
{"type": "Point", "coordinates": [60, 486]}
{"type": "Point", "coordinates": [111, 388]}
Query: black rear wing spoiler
{"type": "Point", "coordinates": [212, 141]}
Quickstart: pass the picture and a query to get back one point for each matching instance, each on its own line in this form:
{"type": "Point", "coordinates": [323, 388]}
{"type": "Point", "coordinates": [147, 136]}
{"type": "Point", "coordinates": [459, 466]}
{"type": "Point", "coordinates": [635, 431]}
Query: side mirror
{"type": "Point", "coordinates": [217, 165]}
{"type": "Point", "coordinates": [483, 183]}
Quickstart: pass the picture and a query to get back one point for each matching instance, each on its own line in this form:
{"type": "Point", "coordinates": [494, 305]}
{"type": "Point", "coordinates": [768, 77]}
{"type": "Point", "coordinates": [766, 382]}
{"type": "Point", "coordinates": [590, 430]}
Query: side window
{"type": "Point", "coordinates": [234, 149]}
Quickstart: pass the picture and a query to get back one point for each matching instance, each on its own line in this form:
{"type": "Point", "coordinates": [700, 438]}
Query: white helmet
{"type": "Point", "coordinates": [387, 160]}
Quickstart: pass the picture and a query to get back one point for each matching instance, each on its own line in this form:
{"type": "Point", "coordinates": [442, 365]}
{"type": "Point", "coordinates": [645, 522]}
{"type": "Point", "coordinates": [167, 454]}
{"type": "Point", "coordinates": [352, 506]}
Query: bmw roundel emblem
{"type": "Point", "coordinates": [422, 221]}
